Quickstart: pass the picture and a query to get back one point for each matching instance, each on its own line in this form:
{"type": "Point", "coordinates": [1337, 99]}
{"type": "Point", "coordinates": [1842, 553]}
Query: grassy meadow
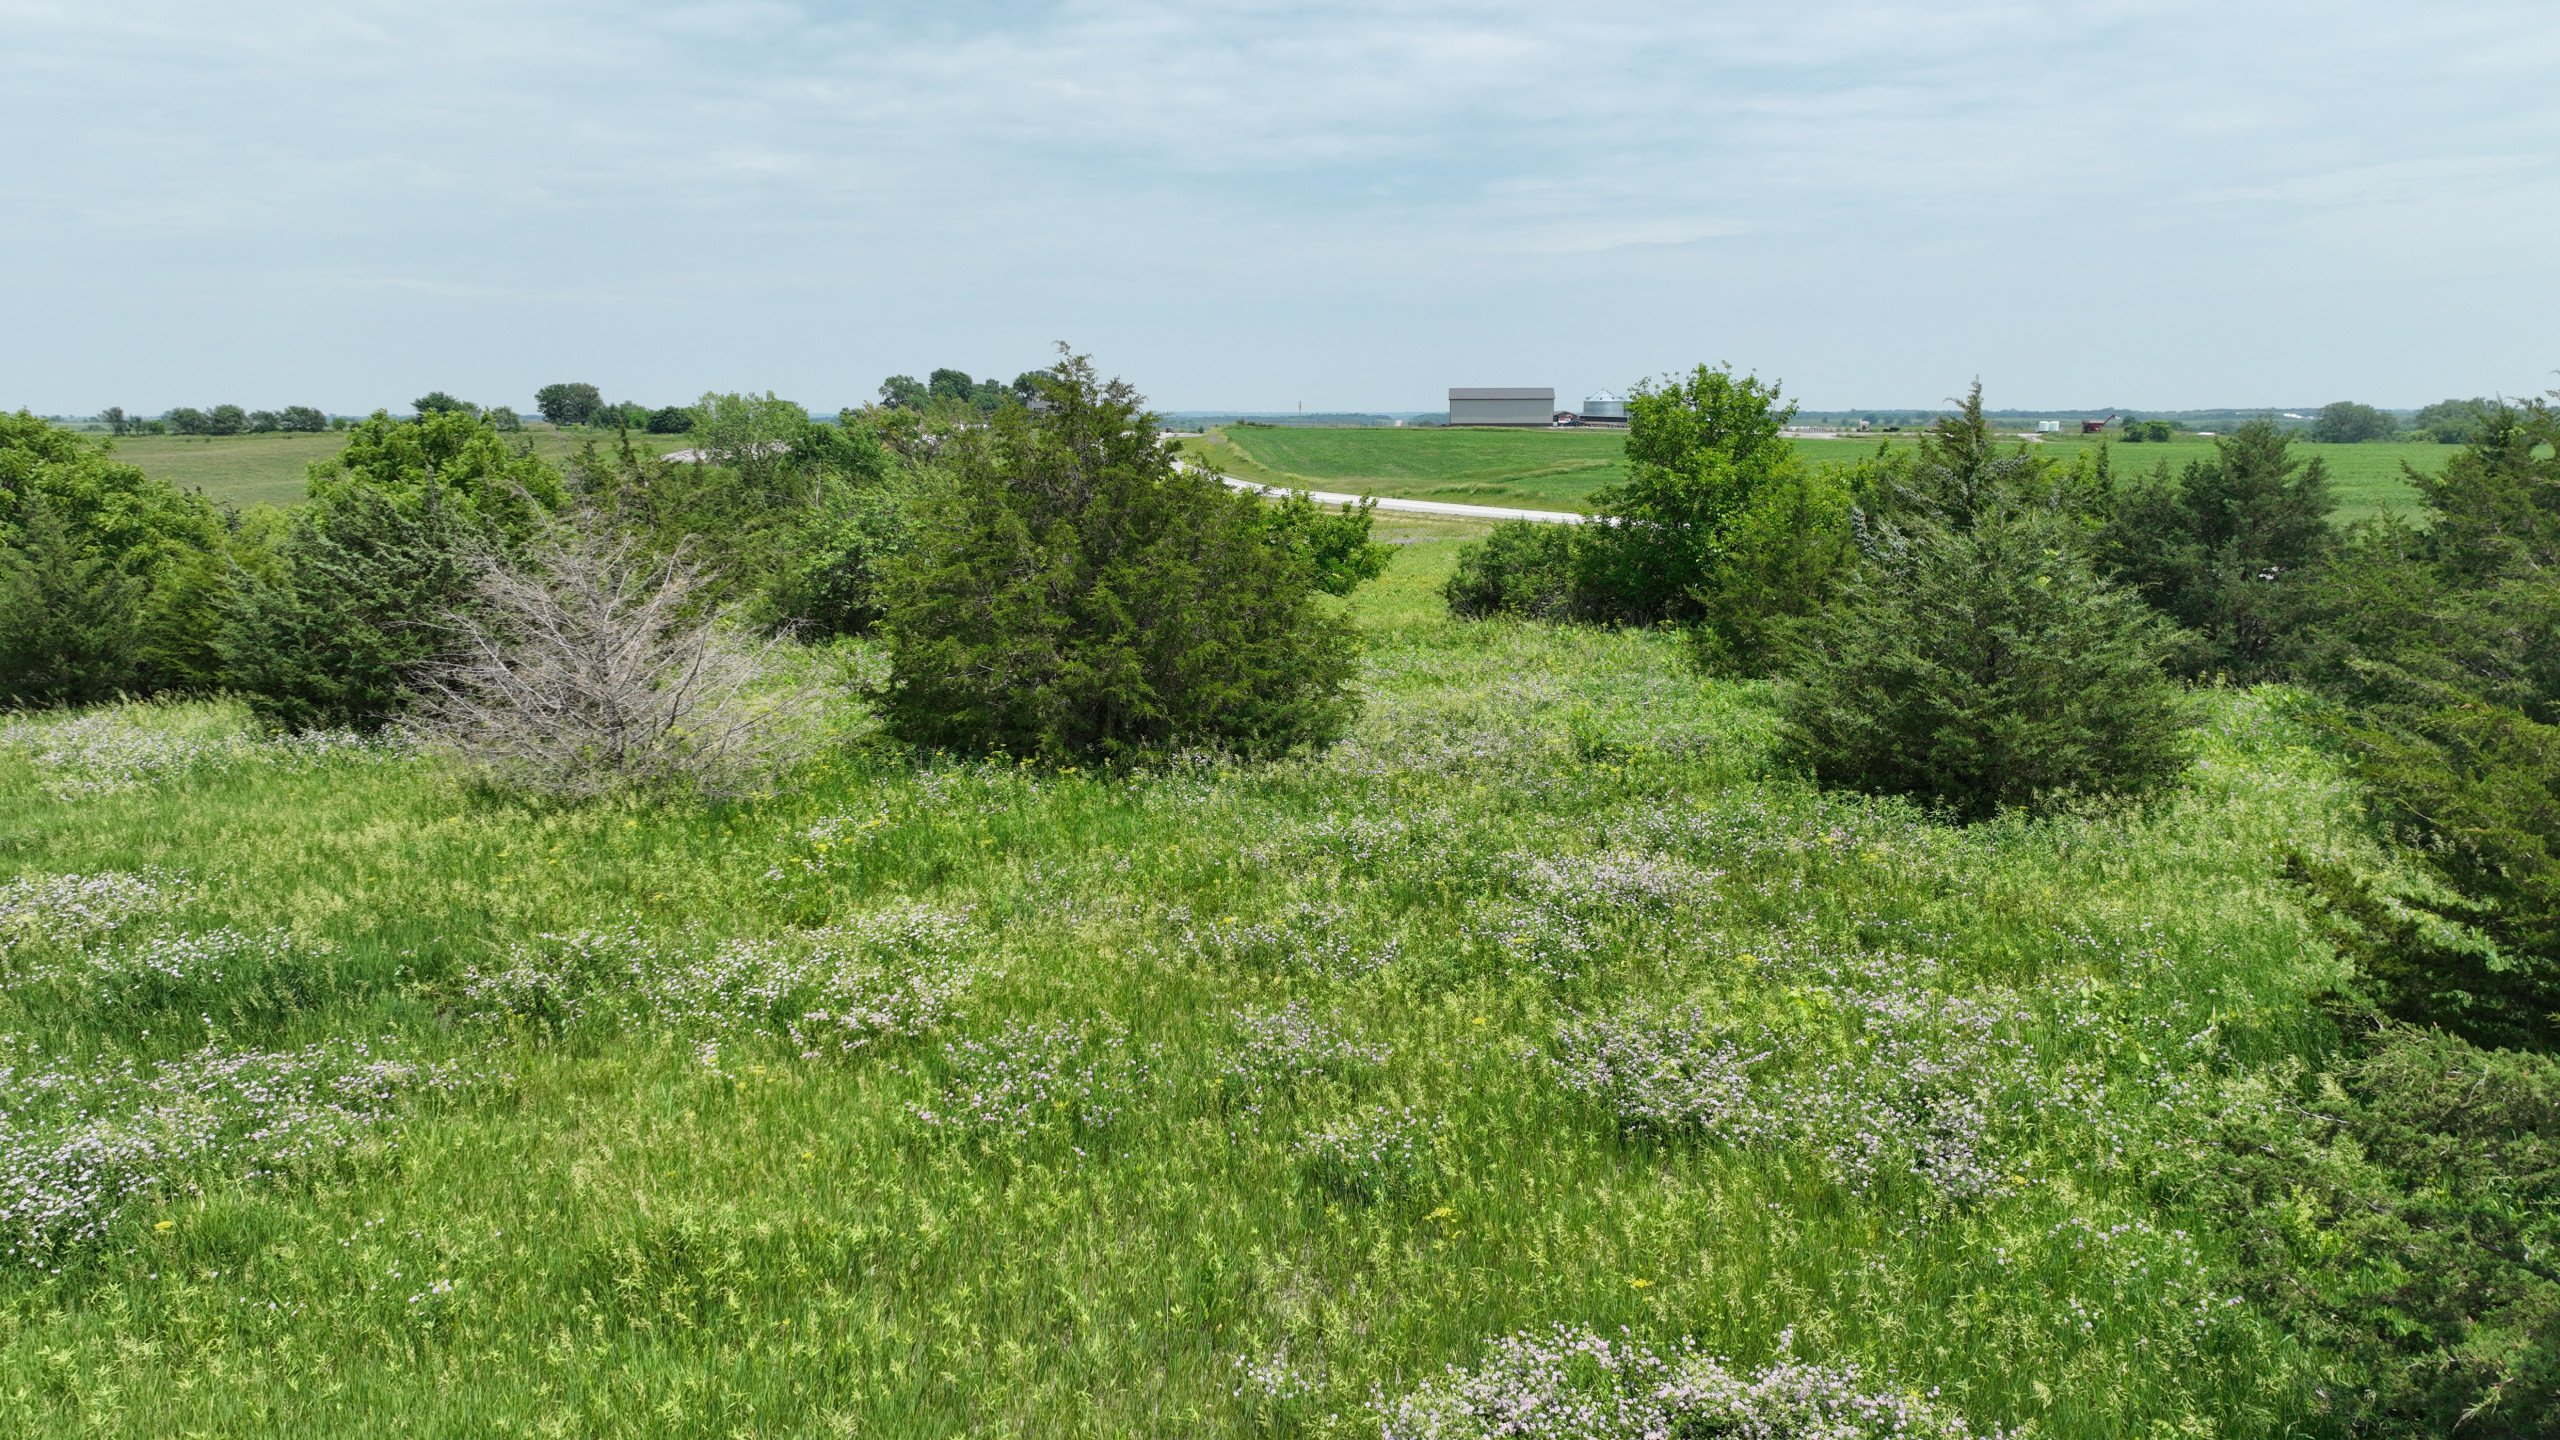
{"type": "Point", "coordinates": [245, 470]}
{"type": "Point", "coordinates": [1559, 469]}
{"type": "Point", "coordinates": [934, 1098]}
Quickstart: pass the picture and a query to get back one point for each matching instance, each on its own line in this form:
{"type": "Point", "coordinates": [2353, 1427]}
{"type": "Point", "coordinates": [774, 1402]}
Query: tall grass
{"type": "Point", "coordinates": [1221, 1099]}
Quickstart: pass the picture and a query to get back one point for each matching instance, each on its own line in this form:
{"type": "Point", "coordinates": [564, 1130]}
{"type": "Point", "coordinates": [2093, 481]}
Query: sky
{"type": "Point", "coordinates": [1258, 206]}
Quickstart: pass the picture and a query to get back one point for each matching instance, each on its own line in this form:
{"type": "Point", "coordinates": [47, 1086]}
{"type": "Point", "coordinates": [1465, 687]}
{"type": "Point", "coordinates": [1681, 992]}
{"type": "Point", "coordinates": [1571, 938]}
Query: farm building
{"type": "Point", "coordinates": [1515, 405]}
{"type": "Point", "coordinates": [1604, 406]}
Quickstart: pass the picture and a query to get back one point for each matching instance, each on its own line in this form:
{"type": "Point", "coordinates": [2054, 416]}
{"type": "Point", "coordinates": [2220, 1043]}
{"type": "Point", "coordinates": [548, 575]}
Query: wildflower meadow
{"type": "Point", "coordinates": [1543, 1059]}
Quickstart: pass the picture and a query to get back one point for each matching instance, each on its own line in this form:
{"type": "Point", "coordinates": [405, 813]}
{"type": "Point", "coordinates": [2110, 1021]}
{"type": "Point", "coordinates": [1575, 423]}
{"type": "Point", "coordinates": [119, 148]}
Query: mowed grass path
{"type": "Point", "coordinates": [656, 1219]}
{"type": "Point", "coordinates": [1558, 469]}
{"type": "Point", "coordinates": [245, 470]}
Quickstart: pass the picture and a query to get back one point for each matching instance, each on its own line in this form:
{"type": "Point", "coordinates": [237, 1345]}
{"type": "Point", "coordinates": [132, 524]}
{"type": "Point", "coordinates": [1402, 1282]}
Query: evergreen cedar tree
{"type": "Point", "coordinates": [1071, 593]}
{"type": "Point", "coordinates": [1984, 668]}
{"type": "Point", "coordinates": [2398, 1218]}
{"type": "Point", "coordinates": [2227, 549]}
{"type": "Point", "coordinates": [333, 629]}
{"type": "Point", "coordinates": [68, 616]}
{"type": "Point", "coordinates": [2441, 640]}
{"type": "Point", "coordinates": [1977, 659]}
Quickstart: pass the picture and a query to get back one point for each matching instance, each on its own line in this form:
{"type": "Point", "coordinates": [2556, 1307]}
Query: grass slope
{"type": "Point", "coordinates": [651, 1213]}
{"type": "Point", "coordinates": [244, 470]}
{"type": "Point", "coordinates": [1559, 469]}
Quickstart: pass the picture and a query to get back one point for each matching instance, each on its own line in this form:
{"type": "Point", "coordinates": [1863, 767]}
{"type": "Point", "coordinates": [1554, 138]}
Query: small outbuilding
{"type": "Point", "coordinates": [1500, 405]}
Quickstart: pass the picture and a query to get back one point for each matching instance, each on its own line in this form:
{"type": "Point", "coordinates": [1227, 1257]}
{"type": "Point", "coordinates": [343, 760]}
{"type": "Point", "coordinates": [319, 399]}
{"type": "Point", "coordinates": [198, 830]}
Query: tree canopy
{"type": "Point", "coordinates": [2344, 422]}
{"type": "Point", "coordinates": [569, 402]}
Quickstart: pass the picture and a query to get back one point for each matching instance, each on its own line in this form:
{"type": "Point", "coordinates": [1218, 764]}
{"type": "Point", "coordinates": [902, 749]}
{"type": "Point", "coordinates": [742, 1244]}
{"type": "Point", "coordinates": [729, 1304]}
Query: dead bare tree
{"type": "Point", "coordinates": [590, 669]}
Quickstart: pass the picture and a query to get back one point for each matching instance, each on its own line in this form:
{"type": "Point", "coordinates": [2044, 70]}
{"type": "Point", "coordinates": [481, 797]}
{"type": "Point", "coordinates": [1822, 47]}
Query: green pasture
{"type": "Point", "coordinates": [244, 470]}
{"type": "Point", "coordinates": [1558, 469]}
{"type": "Point", "coordinates": [680, 1221]}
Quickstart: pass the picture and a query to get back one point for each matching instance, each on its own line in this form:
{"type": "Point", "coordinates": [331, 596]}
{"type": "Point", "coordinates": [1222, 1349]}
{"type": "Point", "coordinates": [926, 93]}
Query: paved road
{"type": "Point", "coordinates": [1411, 507]}
{"type": "Point", "coordinates": [1333, 497]}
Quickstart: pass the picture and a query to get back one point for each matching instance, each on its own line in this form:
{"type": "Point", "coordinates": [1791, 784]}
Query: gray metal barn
{"type": "Point", "coordinates": [1513, 405]}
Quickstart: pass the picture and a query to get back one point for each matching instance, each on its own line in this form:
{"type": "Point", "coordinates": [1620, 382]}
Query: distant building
{"type": "Point", "coordinates": [1604, 406]}
{"type": "Point", "coordinates": [1502, 406]}
{"type": "Point", "coordinates": [2048, 427]}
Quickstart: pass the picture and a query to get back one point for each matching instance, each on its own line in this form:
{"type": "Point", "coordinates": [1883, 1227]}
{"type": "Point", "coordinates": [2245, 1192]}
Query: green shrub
{"type": "Point", "coordinates": [828, 582]}
{"type": "Point", "coordinates": [1525, 567]}
{"type": "Point", "coordinates": [1984, 668]}
{"type": "Point", "coordinates": [110, 575]}
{"type": "Point", "coordinates": [1960, 472]}
{"type": "Point", "coordinates": [1070, 592]}
{"type": "Point", "coordinates": [475, 470]}
{"type": "Point", "coordinates": [1335, 543]}
{"type": "Point", "coordinates": [1719, 527]}
{"type": "Point", "coordinates": [786, 518]}
{"type": "Point", "coordinates": [2454, 422]}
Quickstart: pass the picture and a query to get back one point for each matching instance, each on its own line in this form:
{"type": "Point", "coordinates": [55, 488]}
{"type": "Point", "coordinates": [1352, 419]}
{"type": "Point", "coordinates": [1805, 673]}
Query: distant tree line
{"type": "Point", "coordinates": [953, 390]}
{"type": "Point", "coordinates": [215, 420]}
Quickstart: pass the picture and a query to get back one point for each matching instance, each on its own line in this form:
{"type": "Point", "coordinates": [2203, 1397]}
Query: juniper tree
{"type": "Point", "coordinates": [1070, 592]}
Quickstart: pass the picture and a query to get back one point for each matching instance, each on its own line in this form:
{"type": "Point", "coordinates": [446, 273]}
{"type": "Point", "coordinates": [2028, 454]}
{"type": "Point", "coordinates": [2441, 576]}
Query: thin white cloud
{"type": "Point", "coordinates": [819, 195]}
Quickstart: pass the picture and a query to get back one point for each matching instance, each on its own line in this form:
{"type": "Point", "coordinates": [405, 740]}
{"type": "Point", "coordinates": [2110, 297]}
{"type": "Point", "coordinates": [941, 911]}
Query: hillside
{"type": "Point", "coordinates": [943, 1098]}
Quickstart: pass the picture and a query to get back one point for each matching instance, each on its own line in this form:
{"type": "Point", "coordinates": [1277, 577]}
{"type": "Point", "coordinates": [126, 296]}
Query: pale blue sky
{"type": "Point", "coordinates": [1252, 205]}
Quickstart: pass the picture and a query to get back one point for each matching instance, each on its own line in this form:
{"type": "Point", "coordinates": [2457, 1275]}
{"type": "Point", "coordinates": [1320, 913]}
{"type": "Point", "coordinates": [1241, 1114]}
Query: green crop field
{"type": "Point", "coordinates": [242, 470]}
{"type": "Point", "coordinates": [930, 1098]}
{"type": "Point", "coordinates": [1558, 469]}
{"type": "Point", "coordinates": [1555, 469]}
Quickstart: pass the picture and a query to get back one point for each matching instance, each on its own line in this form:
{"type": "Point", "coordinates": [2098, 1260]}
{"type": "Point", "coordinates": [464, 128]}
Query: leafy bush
{"type": "Point", "coordinates": [1335, 543]}
{"type": "Point", "coordinates": [1525, 567]}
{"type": "Point", "coordinates": [589, 669]}
{"type": "Point", "coordinates": [1071, 592]}
{"type": "Point", "coordinates": [1984, 668]}
{"type": "Point", "coordinates": [786, 516]}
{"type": "Point", "coordinates": [486, 477]}
{"type": "Point", "coordinates": [2227, 547]}
{"type": "Point", "coordinates": [2454, 422]}
{"type": "Point", "coordinates": [828, 582]}
{"type": "Point", "coordinates": [1719, 526]}
{"type": "Point", "coordinates": [108, 578]}
{"type": "Point", "coordinates": [331, 629]}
